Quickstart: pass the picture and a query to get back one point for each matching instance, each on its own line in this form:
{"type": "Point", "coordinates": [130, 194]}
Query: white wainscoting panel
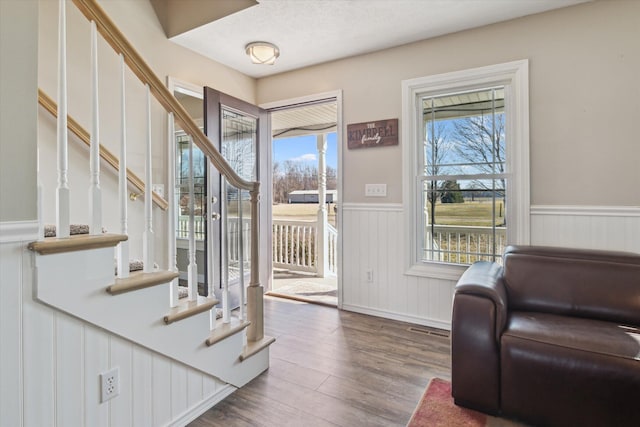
{"type": "Point", "coordinates": [589, 227]}
{"type": "Point", "coordinates": [50, 363]}
{"type": "Point", "coordinates": [373, 239]}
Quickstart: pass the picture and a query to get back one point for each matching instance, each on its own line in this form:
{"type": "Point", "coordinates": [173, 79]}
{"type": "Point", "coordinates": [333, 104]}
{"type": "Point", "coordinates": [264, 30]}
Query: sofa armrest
{"type": "Point", "coordinates": [478, 319]}
{"type": "Point", "coordinates": [484, 279]}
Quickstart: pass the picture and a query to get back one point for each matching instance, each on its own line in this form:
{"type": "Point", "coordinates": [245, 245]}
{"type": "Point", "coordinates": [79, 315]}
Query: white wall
{"type": "Point", "coordinates": [584, 102]}
{"type": "Point", "coordinates": [584, 62]}
{"type": "Point", "coordinates": [50, 362]}
{"type": "Point", "coordinates": [18, 137]}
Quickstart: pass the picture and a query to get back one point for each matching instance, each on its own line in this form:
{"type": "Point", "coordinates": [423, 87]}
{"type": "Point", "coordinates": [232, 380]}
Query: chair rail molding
{"type": "Point", "coordinates": [18, 231]}
{"type": "Point", "coordinates": [579, 210]}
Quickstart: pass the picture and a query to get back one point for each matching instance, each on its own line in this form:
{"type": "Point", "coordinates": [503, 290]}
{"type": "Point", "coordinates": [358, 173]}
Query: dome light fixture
{"type": "Point", "coordinates": [262, 52]}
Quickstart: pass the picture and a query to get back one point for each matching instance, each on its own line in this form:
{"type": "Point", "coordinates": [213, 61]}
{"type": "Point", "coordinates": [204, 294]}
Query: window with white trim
{"type": "Point", "coordinates": [466, 162]}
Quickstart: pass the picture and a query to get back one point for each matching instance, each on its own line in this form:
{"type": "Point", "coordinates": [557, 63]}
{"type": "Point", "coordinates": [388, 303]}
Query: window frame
{"type": "Point", "coordinates": [514, 76]}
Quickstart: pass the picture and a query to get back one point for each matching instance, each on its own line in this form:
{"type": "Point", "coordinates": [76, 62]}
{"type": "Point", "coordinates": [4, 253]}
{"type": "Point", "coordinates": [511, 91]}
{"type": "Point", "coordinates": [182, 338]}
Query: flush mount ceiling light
{"type": "Point", "coordinates": [262, 52]}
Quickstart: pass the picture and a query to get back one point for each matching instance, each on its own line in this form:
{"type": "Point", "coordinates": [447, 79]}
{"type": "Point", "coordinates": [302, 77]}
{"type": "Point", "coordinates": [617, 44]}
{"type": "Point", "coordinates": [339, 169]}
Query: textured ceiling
{"type": "Point", "coordinates": [310, 32]}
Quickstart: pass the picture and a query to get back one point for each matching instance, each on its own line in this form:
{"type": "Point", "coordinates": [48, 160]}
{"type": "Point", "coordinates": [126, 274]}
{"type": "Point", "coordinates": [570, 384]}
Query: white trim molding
{"type": "Point", "coordinates": [292, 103]}
{"type": "Point", "coordinates": [573, 210]}
{"type": "Point", "coordinates": [514, 76]}
{"type": "Point", "coordinates": [18, 231]}
{"type": "Point", "coordinates": [416, 320]}
{"type": "Point", "coordinates": [379, 207]}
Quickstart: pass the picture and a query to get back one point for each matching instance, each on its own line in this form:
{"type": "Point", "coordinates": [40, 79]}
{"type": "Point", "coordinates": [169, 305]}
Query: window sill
{"type": "Point", "coordinates": [434, 270]}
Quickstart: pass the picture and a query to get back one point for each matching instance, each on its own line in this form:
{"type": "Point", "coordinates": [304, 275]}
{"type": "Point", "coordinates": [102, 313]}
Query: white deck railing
{"type": "Point", "coordinates": [332, 249]}
{"type": "Point", "coordinates": [464, 245]}
{"type": "Point", "coordinates": [295, 246]}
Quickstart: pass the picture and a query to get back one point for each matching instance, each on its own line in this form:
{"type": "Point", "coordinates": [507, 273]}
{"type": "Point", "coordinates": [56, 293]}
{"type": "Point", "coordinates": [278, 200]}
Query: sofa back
{"type": "Point", "coordinates": [584, 283]}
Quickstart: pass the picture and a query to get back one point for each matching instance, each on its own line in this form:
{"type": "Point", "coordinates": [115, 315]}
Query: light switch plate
{"type": "Point", "coordinates": [375, 190]}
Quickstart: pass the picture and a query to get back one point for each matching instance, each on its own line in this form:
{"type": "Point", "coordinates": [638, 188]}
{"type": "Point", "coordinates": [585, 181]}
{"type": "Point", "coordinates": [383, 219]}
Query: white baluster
{"type": "Point", "coordinates": [147, 245]}
{"type": "Point", "coordinates": [226, 312]}
{"type": "Point", "coordinates": [95, 194]}
{"type": "Point", "coordinates": [123, 247]}
{"type": "Point", "coordinates": [62, 193]}
{"type": "Point", "coordinates": [171, 213]}
{"type": "Point", "coordinates": [240, 236]}
{"type": "Point", "coordinates": [192, 269]}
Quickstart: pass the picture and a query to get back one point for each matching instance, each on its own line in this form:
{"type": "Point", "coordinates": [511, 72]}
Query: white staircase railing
{"type": "Point", "coordinates": [192, 268]}
{"type": "Point", "coordinates": [101, 24]}
{"type": "Point", "coordinates": [122, 256]}
{"type": "Point", "coordinates": [171, 213]}
{"type": "Point", "coordinates": [95, 193]}
{"type": "Point", "coordinates": [63, 201]}
{"type": "Point", "coordinates": [148, 239]}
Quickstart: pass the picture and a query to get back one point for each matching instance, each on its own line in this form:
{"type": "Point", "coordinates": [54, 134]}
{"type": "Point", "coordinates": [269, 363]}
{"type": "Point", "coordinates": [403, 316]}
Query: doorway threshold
{"type": "Point", "coordinates": [305, 288]}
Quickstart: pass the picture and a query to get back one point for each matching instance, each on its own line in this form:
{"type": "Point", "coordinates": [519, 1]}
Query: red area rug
{"type": "Point", "coordinates": [436, 409]}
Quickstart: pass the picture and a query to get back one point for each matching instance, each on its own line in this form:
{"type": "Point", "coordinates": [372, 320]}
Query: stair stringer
{"type": "Point", "coordinates": [76, 282]}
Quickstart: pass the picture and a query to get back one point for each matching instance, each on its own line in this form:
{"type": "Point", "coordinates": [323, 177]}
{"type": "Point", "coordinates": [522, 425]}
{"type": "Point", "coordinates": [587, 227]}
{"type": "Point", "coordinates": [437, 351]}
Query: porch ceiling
{"type": "Point", "coordinates": [305, 120]}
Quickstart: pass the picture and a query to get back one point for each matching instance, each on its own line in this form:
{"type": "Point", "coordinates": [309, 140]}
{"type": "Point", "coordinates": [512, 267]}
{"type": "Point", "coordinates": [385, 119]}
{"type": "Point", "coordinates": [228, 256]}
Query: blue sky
{"type": "Point", "coordinates": [303, 149]}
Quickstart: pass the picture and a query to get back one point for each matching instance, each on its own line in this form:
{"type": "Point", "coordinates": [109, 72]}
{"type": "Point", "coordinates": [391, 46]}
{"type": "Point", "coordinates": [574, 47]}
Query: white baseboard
{"type": "Point", "coordinates": [18, 231]}
{"type": "Point", "coordinates": [202, 407]}
{"type": "Point", "coordinates": [434, 323]}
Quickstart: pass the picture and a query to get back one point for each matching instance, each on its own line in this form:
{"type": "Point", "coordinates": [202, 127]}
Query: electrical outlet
{"type": "Point", "coordinates": [109, 384]}
{"type": "Point", "coordinates": [369, 276]}
{"type": "Point", "coordinates": [375, 190]}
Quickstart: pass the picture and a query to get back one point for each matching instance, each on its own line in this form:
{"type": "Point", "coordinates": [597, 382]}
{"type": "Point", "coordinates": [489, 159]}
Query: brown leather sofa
{"type": "Point", "coordinates": [551, 339]}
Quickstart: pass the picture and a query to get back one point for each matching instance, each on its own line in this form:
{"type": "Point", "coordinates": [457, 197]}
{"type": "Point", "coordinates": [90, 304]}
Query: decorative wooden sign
{"type": "Point", "coordinates": [380, 133]}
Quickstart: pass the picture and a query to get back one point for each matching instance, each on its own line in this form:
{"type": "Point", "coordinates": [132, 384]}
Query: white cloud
{"type": "Point", "coordinates": [305, 158]}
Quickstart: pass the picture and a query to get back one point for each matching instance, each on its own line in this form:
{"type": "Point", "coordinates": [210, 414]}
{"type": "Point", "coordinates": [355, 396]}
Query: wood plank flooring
{"type": "Point", "coordinates": [335, 368]}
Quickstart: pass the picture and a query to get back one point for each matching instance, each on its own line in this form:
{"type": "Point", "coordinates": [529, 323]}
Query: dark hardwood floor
{"type": "Point", "coordinates": [335, 368]}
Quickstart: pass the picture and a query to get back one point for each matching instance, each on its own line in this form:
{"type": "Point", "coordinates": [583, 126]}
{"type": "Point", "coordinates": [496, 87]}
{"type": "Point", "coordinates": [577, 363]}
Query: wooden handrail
{"type": "Point", "coordinates": [112, 35]}
{"type": "Point", "coordinates": [50, 105]}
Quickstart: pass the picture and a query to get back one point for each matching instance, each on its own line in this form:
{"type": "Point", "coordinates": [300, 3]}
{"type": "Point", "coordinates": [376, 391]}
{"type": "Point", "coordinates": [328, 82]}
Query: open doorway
{"type": "Point", "coordinates": [304, 165]}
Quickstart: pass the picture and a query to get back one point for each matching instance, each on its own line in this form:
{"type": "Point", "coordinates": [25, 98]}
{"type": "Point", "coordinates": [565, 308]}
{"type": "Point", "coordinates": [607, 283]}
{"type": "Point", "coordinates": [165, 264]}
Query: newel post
{"type": "Point", "coordinates": [255, 291]}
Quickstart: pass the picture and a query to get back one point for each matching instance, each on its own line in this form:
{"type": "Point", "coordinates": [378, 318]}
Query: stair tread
{"type": "Point", "coordinates": [141, 280]}
{"type": "Point", "coordinates": [224, 330]}
{"type": "Point", "coordinates": [78, 242]}
{"type": "Point", "coordinates": [186, 308]}
{"type": "Point", "coordinates": [254, 347]}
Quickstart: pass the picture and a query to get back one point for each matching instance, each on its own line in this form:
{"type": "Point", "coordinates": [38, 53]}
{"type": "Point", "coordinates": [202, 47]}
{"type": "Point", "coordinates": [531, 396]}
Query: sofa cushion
{"type": "Point", "coordinates": [594, 284]}
{"type": "Point", "coordinates": [564, 371]}
{"type": "Point", "coordinates": [595, 336]}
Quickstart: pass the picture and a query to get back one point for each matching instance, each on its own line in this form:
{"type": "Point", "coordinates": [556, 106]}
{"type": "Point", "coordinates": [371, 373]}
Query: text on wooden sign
{"type": "Point", "coordinates": [380, 133]}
